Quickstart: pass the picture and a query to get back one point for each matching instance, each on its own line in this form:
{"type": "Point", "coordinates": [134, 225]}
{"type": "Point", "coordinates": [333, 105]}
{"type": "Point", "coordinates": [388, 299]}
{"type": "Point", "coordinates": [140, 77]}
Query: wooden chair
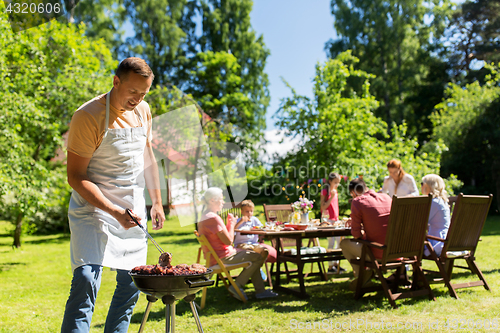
{"type": "Point", "coordinates": [451, 203]}
{"type": "Point", "coordinates": [466, 225]}
{"type": "Point", "coordinates": [220, 268]}
{"type": "Point", "coordinates": [283, 212]}
{"type": "Point", "coordinates": [230, 207]}
{"type": "Point", "coordinates": [404, 245]}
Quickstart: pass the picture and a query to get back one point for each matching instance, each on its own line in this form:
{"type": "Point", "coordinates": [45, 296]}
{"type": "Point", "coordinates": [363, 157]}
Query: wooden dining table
{"type": "Point", "coordinates": [300, 259]}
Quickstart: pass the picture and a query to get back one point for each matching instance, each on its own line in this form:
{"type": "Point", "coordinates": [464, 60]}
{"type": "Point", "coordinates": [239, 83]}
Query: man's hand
{"type": "Point", "coordinates": [157, 216]}
{"type": "Point", "coordinates": [124, 219]}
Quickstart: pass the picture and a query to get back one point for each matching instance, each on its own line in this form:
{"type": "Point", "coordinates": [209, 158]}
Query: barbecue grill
{"type": "Point", "coordinates": [170, 288]}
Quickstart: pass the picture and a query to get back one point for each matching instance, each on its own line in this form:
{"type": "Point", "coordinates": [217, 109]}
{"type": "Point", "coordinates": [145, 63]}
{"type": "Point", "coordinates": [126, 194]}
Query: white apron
{"type": "Point", "coordinates": [117, 168]}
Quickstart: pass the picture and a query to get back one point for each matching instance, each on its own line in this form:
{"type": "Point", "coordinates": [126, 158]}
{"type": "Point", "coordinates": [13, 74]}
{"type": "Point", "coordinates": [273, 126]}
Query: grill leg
{"type": "Point", "coordinates": [169, 302]}
{"type": "Point", "coordinates": [151, 300]}
{"type": "Point", "coordinates": [196, 317]}
{"type": "Point", "coordinates": [190, 299]}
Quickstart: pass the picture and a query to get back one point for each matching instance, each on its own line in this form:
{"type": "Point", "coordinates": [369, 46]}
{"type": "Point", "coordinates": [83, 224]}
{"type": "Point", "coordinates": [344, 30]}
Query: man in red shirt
{"type": "Point", "coordinates": [369, 217]}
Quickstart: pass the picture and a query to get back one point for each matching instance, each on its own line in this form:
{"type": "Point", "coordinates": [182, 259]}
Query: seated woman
{"type": "Point", "coordinates": [221, 237]}
{"type": "Point", "coordinates": [439, 217]}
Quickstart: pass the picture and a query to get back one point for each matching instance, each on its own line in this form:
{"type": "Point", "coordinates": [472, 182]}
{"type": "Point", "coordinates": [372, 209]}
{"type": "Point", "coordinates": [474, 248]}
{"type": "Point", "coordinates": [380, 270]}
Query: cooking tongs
{"type": "Point", "coordinates": [145, 231]}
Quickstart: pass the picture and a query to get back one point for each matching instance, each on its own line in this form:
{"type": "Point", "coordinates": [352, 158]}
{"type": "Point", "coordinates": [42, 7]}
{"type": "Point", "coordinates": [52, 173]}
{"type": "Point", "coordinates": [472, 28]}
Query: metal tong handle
{"type": "Point", "coordinates": [145, 231]}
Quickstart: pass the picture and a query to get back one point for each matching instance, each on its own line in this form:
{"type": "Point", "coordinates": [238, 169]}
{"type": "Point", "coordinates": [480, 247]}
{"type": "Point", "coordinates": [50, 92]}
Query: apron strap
{"type": "Point", "coordinates": [140, 117]}
{"type": "Point", "coordinates": [106, 124]}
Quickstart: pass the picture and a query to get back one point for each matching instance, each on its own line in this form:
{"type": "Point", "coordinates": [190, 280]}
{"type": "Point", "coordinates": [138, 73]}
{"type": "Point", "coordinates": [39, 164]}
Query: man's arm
{"type": "Point", "coordinates": [151, 175]}
{"type": "Point", "coordinates": [80, 182]}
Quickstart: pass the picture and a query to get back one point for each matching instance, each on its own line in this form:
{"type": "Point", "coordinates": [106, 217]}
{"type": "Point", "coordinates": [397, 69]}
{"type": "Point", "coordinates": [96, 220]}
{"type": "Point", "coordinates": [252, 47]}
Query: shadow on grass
{"type": "Point", "coordinates": [55, 239]}
{"type": "Point", "coordinates": [165, 233]}
{"type": "Point", "coordinates": [8, 265]}
{"type": "Point", "coordinates": [492, 226]}
{"type": "Point", "coordinates": [183, 241]}
{"type": "Point", "coordinates": [327, 297]}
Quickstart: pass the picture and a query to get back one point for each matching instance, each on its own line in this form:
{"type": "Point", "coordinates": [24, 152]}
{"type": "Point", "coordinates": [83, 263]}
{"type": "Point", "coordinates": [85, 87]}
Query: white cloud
{"type": "Point", "coordinates": [273, 145]}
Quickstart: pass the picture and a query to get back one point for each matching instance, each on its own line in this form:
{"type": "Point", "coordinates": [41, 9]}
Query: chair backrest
{"type": "Point", "coordinates": [467, 222]}
{"type": "Point", "coordinates": [208, 250]}
{"type": "Point", "coordinates": [283, 211]}
{"type": "Point", "coordinates": [451, 203]}
{"type": "Point", "coordinates": [230, 207]}
{"type": "Point", "coordinates": [407, 227]}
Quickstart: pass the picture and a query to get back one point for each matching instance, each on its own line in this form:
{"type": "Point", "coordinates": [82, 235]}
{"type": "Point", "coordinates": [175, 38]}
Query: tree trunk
{"type": "Point", "coordinates": [17, 232]}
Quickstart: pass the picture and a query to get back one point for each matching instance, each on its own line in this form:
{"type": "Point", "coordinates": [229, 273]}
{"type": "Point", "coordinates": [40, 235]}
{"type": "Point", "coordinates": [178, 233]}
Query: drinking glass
{"type": "Point", "coordinates": [325, 216]}
{"type": "Point", "coordinates": [272, 218]}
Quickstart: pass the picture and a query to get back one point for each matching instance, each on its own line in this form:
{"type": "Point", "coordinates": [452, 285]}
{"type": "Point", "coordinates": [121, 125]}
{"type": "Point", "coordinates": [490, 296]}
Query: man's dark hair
{"type": "Point", "coordinates": [136, 65]}
{"type": "Point", "coordinates": [358, 186]}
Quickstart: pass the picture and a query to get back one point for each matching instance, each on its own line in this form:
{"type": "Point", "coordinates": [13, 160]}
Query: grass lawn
{"type": "Point", "coordinates": [35, 282]}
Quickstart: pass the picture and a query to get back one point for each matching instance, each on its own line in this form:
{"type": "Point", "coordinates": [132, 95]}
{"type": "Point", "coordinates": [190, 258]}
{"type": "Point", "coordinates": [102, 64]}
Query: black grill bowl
{"type": "Point", "coordinates": [178, 286]}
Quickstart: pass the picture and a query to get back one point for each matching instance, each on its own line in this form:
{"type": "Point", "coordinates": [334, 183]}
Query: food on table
{"type": "Point", "coordinates": [316, 222]}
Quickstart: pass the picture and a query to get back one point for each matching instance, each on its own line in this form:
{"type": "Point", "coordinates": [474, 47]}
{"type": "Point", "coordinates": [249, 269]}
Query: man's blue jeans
{"type": "Point", "coordinates": [81, 302]}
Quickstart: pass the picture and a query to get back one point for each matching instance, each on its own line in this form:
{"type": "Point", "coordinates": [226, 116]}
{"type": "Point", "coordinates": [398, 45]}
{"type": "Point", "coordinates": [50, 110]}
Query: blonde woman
{"type": "Point", "coordinates": [399, 182]}
{"type": "Point", "coordinates": [439, 217]}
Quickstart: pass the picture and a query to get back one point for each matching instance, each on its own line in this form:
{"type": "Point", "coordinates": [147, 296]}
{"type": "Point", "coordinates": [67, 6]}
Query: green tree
{"type": "Point", "coordinates": [47, 73]}
{"type": "Point", "coordinates": [340, 132]}
{"type": "Point", "coordinates": [104, 19]}
{"type": "Point", "coordinates": [183, 38]}
{"type": "Point", "coordinates": [165, 35]}
{"type": "Point", "coordinates": [474, 35]}
{"type": "Point", "coordinates": [226, 27]}
{"type": "Point", "coordinates": [394, 42]}
{"type": "Point", "coordinates": [467, 122]}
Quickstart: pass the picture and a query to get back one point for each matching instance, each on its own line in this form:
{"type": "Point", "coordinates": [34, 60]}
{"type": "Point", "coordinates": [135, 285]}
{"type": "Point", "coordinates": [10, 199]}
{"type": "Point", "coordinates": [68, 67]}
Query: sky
{"type": "Point", "coordinates": [295, 32]}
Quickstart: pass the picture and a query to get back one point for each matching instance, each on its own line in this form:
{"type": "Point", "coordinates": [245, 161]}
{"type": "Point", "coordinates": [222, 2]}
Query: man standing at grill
{"type": "Point", "coordinates": [369, 217]}
{"type": "Point", "coordinates": [110, 160]}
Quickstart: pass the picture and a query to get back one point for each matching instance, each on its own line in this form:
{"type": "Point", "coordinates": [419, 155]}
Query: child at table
{"type": "Point", "coordinates": [251, 242]}
{"type": "Point", "coordinates": [330, 203]}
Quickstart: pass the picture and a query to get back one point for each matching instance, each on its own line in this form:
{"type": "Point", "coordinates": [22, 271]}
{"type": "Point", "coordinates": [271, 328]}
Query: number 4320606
{"type": "Point", "coordinates": [33, 8]}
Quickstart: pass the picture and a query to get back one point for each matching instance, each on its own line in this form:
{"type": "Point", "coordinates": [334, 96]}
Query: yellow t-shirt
{"type": "Point", "coordinates": [86, 129]}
